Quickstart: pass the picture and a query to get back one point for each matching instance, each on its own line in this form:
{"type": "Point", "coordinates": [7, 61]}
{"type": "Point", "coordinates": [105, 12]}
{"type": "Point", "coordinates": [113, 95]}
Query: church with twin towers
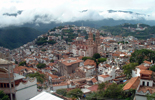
{"type": "Point", "coordinates": [86, 47]}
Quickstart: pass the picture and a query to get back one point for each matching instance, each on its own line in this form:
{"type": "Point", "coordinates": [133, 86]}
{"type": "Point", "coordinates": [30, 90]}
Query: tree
{"type": "Point", "coordinates": [62, 92]}
{"type": "Point", "coordinates": [52, 61]}
{"type": "Point", "coordinates": [152, 68]}
{"type": "Point", "coordinates": [51, 42]}
{"type": "Point", "coordinates": [151, 96]}
{"type": "Point", "coordinates": [113, 91]}
{"type": "Point", "coordinates": [140, 55]}
{"type": "Point", "coordinates": [92, 96]}
{"type": "Point", "coordinates": [101, 86]}
{"type": "Point", "coordinates": [41, 65]}
{"type": "Point", "coordinates": [41, 41]}
{"type": "Point", "coordinates": [128, 69]}
{"type": "Point", "coordinates": [75, 93]}
{"type": "Point", "coordinates": [16, 62]}
{"type": "Point", "coordinates": [85, 58]}
{"type": "Point", "coordinates": [102, 60]}
{"type": "Point", "coordinates": [40, 77]}
{"type": "Point", "coordinates": [96, 55]}
{"type": "Point", "coordinates": [22, 63]}
{"type": "Point", "coordinates": [3, 96]}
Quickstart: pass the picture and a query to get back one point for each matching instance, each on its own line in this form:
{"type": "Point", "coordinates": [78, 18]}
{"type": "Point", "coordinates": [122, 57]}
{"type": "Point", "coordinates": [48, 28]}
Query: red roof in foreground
{"type": "Point", "coordinates": [93, 88]}
{"type": "Point", "coordinates": [132, 84]}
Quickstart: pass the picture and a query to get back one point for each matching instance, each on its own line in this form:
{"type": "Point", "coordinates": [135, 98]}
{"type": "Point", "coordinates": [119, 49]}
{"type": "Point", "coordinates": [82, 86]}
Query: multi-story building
{"type": "Point", "coordinates": [67, 66]}
{"type": "Point", "coordinates": [87, 70]}
{"type": "Point", "coordinates": [15, 85]}
{"type": "Point", "coordinates": [7, 83]}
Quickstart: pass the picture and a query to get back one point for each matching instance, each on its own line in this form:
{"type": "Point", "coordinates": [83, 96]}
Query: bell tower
{"type": "Point", "coordinates": [97, 41]}
{"type": "Point", "coordinates": [97, 38]}
{"type": "Point", "coordinates": [90, 44]}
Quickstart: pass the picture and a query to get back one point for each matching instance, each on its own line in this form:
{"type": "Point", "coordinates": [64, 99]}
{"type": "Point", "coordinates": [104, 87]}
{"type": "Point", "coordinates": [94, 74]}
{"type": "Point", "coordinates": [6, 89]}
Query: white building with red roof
{"type": "Point", "coordinates": [144, 66]}
{"type": "Point", "coordinates": [143, 84]}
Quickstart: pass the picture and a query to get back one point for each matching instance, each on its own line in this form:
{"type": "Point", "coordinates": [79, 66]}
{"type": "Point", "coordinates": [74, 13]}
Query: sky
{"type": "Point", "coordinates": [69, 10]}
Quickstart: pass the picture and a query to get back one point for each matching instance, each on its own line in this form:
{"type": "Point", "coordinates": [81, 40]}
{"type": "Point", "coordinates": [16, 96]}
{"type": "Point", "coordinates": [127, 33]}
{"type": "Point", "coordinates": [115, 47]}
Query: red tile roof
{"type": "Point", "coordinates": [132, 83]}
{"type": "Point", "coordinates": [146, 72]}
{"type": "Point", "coordinates": [90, 62]}
{"type": "Point", "coordinates": [147, 62]}
{"type": "Point", "coordinates": [53, 76]}
{"type": "Point", "coordinates": [104, 76]}
{"type": "Point", "coordinates": [51, 64]}
{"type": "Point", "coordinates": [93, 88]}
{"type": "Point", "coordinates": [70, 61]}
{"type": "Point", "coordinates": [94, 80]}
{"type": "Point", "coordinates": [142, 67]}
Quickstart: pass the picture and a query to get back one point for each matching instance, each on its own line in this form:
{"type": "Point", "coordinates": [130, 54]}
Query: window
{"type": "Point", "coordinates": [143, 83]}
{"type": "Point", "coordinates": [147, 83]}
{"type": "Point", "coordinates": [1, 84]}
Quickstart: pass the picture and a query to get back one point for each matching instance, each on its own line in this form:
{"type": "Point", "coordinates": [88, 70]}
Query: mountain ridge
{"type": "Point", "coordinates": [13, 37]}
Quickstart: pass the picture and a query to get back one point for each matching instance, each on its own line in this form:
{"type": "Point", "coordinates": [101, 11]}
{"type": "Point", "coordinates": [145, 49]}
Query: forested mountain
{"type": "Point", "coordinates": [143, 31]}
{"type": "Point", "coordinates": [14, 37]}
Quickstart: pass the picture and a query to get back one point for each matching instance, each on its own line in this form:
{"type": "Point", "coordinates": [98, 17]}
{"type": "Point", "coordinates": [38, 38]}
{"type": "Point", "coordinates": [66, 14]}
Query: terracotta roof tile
{"type": "Point", "coordinates": [142, 67]}
{"type": "Point", "coordinates": [19, 68]}
{"type": "Point", "coordinates": [70, 61]}
{"type": "Point", "coordinates": [93, 88]}
{"type": "Point", "coordinates": [132, 84]}
{"type": "Point", "coordinates": [51, 64]}
{"type": "Point", "coordinates": [104, 76]}
{"type": "Point", "coordinates": [61, 84]}
{"type": "Point", "coordinates": [53, 76]}
{"type": "Point", "coordinates": [146, 72]}
{"type": "Point", "coordinates": [94, 80]}
{"type": "Point", "coordinates": [148, 62]}
{"type": "Point", "coordinates": [144, 89]}
{"type": "Point", "coordinates": [90, 62]}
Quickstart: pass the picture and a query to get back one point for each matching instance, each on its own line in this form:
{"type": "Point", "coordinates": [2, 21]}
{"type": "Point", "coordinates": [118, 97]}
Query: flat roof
{"type": "Point", "coordinates": [46, 96]}
{"type": "Point", "coordinates": [3, 61]}
{"type": "Point", "coordinates": [17, 76]}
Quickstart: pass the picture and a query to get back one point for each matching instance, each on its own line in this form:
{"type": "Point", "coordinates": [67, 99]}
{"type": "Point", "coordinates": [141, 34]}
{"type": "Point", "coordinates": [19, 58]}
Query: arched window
{"type": "Point", "coordinates": [143, 83]}
{"type": "Point", "coordinates": [147, 83]}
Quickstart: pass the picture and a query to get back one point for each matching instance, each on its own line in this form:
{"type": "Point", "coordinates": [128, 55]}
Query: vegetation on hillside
{"type": "Point", "coordinates": [111, 91]}
{"type": "Point", "coordinates": [22, 63]}
{"type": "Point", "coordinates": [43, 40]}
{"type": "Point", "coordinates": [40, 77]}
{"type": "Point", "coordinates": [96, 57]}
{"type": "Point", "coordinates": [119, 30]}
{"type": "Point", "coordinates": [3, 96]}
{"type": "Point", "coordinates": [140, 55]}
{"type": "Point", "coordinates": [41, 65]}
{"type": "Point", "coordinates": [15, 37]}
{"type": "Point", "coordinates": [128, 69]}
{"type": "Point", "coordinates": [152, 68]}
{"type": "Point", "coordinates": [74, 93]}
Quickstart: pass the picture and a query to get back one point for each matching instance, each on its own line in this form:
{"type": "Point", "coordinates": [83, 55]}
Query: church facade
{"type": "Point", "coordinates": [83, 47]}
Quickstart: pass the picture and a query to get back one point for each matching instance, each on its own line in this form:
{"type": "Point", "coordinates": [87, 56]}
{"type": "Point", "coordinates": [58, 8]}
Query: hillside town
{"type": "Point", "coordinates": [79, 58]}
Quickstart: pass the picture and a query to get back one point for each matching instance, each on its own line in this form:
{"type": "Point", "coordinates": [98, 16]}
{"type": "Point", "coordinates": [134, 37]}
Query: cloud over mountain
{"type": "Point", "coordinates": [59, 11]}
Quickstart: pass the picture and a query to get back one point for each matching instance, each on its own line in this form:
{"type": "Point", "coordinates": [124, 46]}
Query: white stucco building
{"type": "Point", "coordinates": [143, 66]}
{"type": "Point", "coordinates": [106, 69]}
{"type": "Point", "coordinates": [27, 90]}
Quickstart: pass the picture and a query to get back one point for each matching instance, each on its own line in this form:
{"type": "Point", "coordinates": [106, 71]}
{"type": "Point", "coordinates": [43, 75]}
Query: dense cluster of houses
{"type": "Point", "coordinates": [66, 69]}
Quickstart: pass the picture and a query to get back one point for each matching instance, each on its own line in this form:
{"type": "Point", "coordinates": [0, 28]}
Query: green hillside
{"type": "Point", "coordinates": [16, 36]}
{"type": "Point", "coordinates": [124, 30]}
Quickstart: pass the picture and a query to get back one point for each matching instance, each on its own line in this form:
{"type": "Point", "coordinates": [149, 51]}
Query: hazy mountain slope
{"type": "Point", "coordinates": [16, 36]}
{"type": "Point", "coordinates": [124, 30]}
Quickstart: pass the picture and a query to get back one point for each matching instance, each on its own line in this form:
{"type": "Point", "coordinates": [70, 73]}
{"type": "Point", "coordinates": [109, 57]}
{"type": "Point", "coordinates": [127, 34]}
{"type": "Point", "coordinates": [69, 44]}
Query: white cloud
{"type": "Point", "coordinates": [69, 10]}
